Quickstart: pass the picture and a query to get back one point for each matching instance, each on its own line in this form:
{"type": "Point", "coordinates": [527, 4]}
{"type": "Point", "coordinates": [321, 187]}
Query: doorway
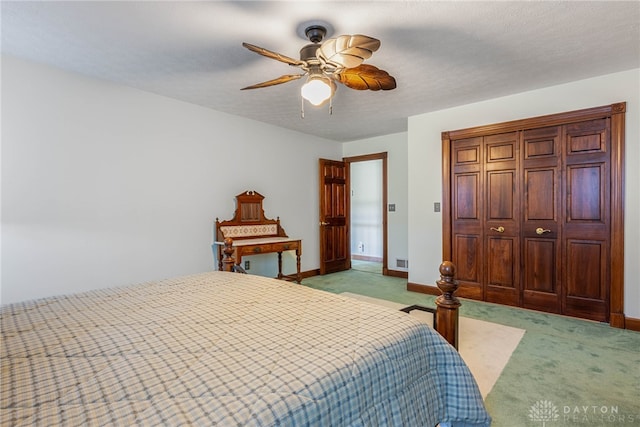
{"type": "Point", "coordinates": [335, 216]}
{"type": "Point", "coordinates": [366, 216]}
{"type": "Point", "coordinates": [367, 208]}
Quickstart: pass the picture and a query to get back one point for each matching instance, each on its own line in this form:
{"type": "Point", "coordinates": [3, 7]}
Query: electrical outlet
{"type": "Point", "coordinates": [436, 206]}
{"type": "Point", "coordinates": [247, 265]}
{"type": "Point", "coordinates": [392, 207]}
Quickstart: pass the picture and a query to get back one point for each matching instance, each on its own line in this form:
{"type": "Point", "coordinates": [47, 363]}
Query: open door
{"type": "Point", "coordinates": [334, 211]}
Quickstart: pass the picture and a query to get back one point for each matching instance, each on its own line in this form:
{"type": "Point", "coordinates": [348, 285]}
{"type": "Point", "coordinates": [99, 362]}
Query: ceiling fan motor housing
{"type": "Point", "coordinates": [308, 53]}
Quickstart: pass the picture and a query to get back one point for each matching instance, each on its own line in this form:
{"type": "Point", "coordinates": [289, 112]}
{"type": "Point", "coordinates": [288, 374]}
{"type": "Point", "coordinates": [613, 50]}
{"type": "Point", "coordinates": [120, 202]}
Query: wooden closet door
{"type": "Point", "coordinates": [534, 212]}
{"type": "Point", "coordinates": [587, 222]}
{"type": "Point", "coordinates": [467, 244]}
{"type": "Point", "coordinates": [541, 230]}
{"type": "Point", "coordinates": [502, 219]}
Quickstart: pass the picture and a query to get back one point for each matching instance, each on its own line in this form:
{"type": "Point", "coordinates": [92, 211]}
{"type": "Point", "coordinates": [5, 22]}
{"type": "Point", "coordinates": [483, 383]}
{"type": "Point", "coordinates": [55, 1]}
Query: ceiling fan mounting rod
{"type": "Point", "coordinates": [315, 33]}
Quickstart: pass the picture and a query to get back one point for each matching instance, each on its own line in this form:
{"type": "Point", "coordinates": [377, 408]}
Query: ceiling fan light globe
{"type": "Point", "coordinates": [316, 91]}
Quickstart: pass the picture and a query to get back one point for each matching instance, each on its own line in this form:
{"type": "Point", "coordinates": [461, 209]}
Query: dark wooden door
{"type": "Point", "coordinates": [467, 205]}
{"type": "Point", "coordinates": [334, 227]}
{"type": "Point", "coordinates": [502, 219]}
{"type": "Point", "coordinates": [587, 222]}
{"type": "Point", "coordinates": [541, 227]}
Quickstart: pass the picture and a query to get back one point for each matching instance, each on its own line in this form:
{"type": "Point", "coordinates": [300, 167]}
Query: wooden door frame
{"type": "Point", "coordinates": [616, 251]}
{"type": "Point", "coordinates": [365, 158]}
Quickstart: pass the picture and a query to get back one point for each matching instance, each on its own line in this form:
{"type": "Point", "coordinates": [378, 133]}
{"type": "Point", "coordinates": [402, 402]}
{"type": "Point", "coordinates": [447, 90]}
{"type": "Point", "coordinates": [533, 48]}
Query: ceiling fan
{"type": "Point", "coordinates": [338, 59]}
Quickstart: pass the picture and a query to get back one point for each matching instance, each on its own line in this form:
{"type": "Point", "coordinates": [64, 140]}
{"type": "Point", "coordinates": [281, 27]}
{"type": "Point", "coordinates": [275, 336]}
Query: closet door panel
{"type": "Point", "coordinates": [502, 270]}
{"type": "Point", "coordinates": [540, 275]}
{"type": "Point", "coordinates": [467, 187]}
{"type": "Point", "coordinates": [467, 248]}
{"type": "Point", "coordinates": [501, 219]}
{"type": "Point", "coordinates": [466, 211]}
{"type": "Point", "coordinates": [540, 225]}
{"type": "Point", "coordinates": [586, 279]}
{"type": "Point", "coordinates": [587, 220]}
{"type": "Point", "coordinates": [540, 259]}
{"type": "Point", "coordinates": [500, 195]}
{"type": "Point", "coordinates": [585, 201]}
{"type": "Point", "coordinates": [540, 192]}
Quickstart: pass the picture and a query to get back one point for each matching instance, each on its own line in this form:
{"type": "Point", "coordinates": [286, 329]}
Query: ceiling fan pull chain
{"type": "Point", "coordinates": [301, 107]}
{"type": "Point", "coordinates": [331, 106]}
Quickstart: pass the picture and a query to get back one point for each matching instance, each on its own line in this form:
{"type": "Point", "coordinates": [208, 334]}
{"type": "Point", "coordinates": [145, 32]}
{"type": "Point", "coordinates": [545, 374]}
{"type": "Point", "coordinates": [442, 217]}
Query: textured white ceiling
{"type": "Point", "coordinates": [442, 54]}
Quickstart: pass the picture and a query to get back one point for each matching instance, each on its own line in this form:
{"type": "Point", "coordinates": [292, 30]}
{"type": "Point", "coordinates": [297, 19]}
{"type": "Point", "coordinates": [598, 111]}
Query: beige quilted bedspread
{"type": "Point", "coordinates": [226, 349]}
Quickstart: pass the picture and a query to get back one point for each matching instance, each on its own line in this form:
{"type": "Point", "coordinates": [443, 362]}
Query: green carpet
{"type": "Point", "coordinates": [565, 372]}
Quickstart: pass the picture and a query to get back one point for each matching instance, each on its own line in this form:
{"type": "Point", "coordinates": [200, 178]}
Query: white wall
{"type": "Point", "coordinates": [424, 149]}
{"type": "Point", "coordinates": [395, 145]}
{"type": "Point", "coordinates": [103, 185]}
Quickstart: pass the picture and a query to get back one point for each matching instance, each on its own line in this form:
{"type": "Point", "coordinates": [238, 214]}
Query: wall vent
{"type": "Point", "coordinates": [402, 263]}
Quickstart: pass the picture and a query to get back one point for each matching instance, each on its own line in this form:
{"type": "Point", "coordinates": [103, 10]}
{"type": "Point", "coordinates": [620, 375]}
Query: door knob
{"type": "Point", "coordinates": [499, 229]}
{"type": "Point", "coordinates": [541, 230]}
{"type": "Point", "coordinates": [324, 223]}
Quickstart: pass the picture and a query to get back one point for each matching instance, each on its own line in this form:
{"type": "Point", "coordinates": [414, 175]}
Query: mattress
{"type": "Point", "coordinates": [224, 349]}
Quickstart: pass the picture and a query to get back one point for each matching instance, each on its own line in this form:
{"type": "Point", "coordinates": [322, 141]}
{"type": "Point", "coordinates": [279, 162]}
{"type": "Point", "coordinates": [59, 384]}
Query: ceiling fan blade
{"type": "Point", "coordinates": [273, 55]}
{"type": "Point", "coordinates": [282, 79]}
{"type": "Point", "coordinates": [347, 51]}
{"type": "Point", "coordinates": [365, 77]}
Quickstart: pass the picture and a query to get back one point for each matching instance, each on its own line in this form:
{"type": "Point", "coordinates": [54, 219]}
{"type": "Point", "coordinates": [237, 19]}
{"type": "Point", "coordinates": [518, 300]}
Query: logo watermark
{"type": "Point", "coordinates": [546, 411]}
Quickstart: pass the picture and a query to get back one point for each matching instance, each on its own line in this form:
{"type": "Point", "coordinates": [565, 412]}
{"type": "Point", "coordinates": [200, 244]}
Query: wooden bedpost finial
{"type": "Point", "coordinates": [448, 285]}
{"type": "Point", "coordinates": [447, 304]}
{"type": "Point", "coordinates": [228, 261]}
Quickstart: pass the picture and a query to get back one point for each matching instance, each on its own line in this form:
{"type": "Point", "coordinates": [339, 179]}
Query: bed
{"type": "Point", "coordinates": [222, 348]}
